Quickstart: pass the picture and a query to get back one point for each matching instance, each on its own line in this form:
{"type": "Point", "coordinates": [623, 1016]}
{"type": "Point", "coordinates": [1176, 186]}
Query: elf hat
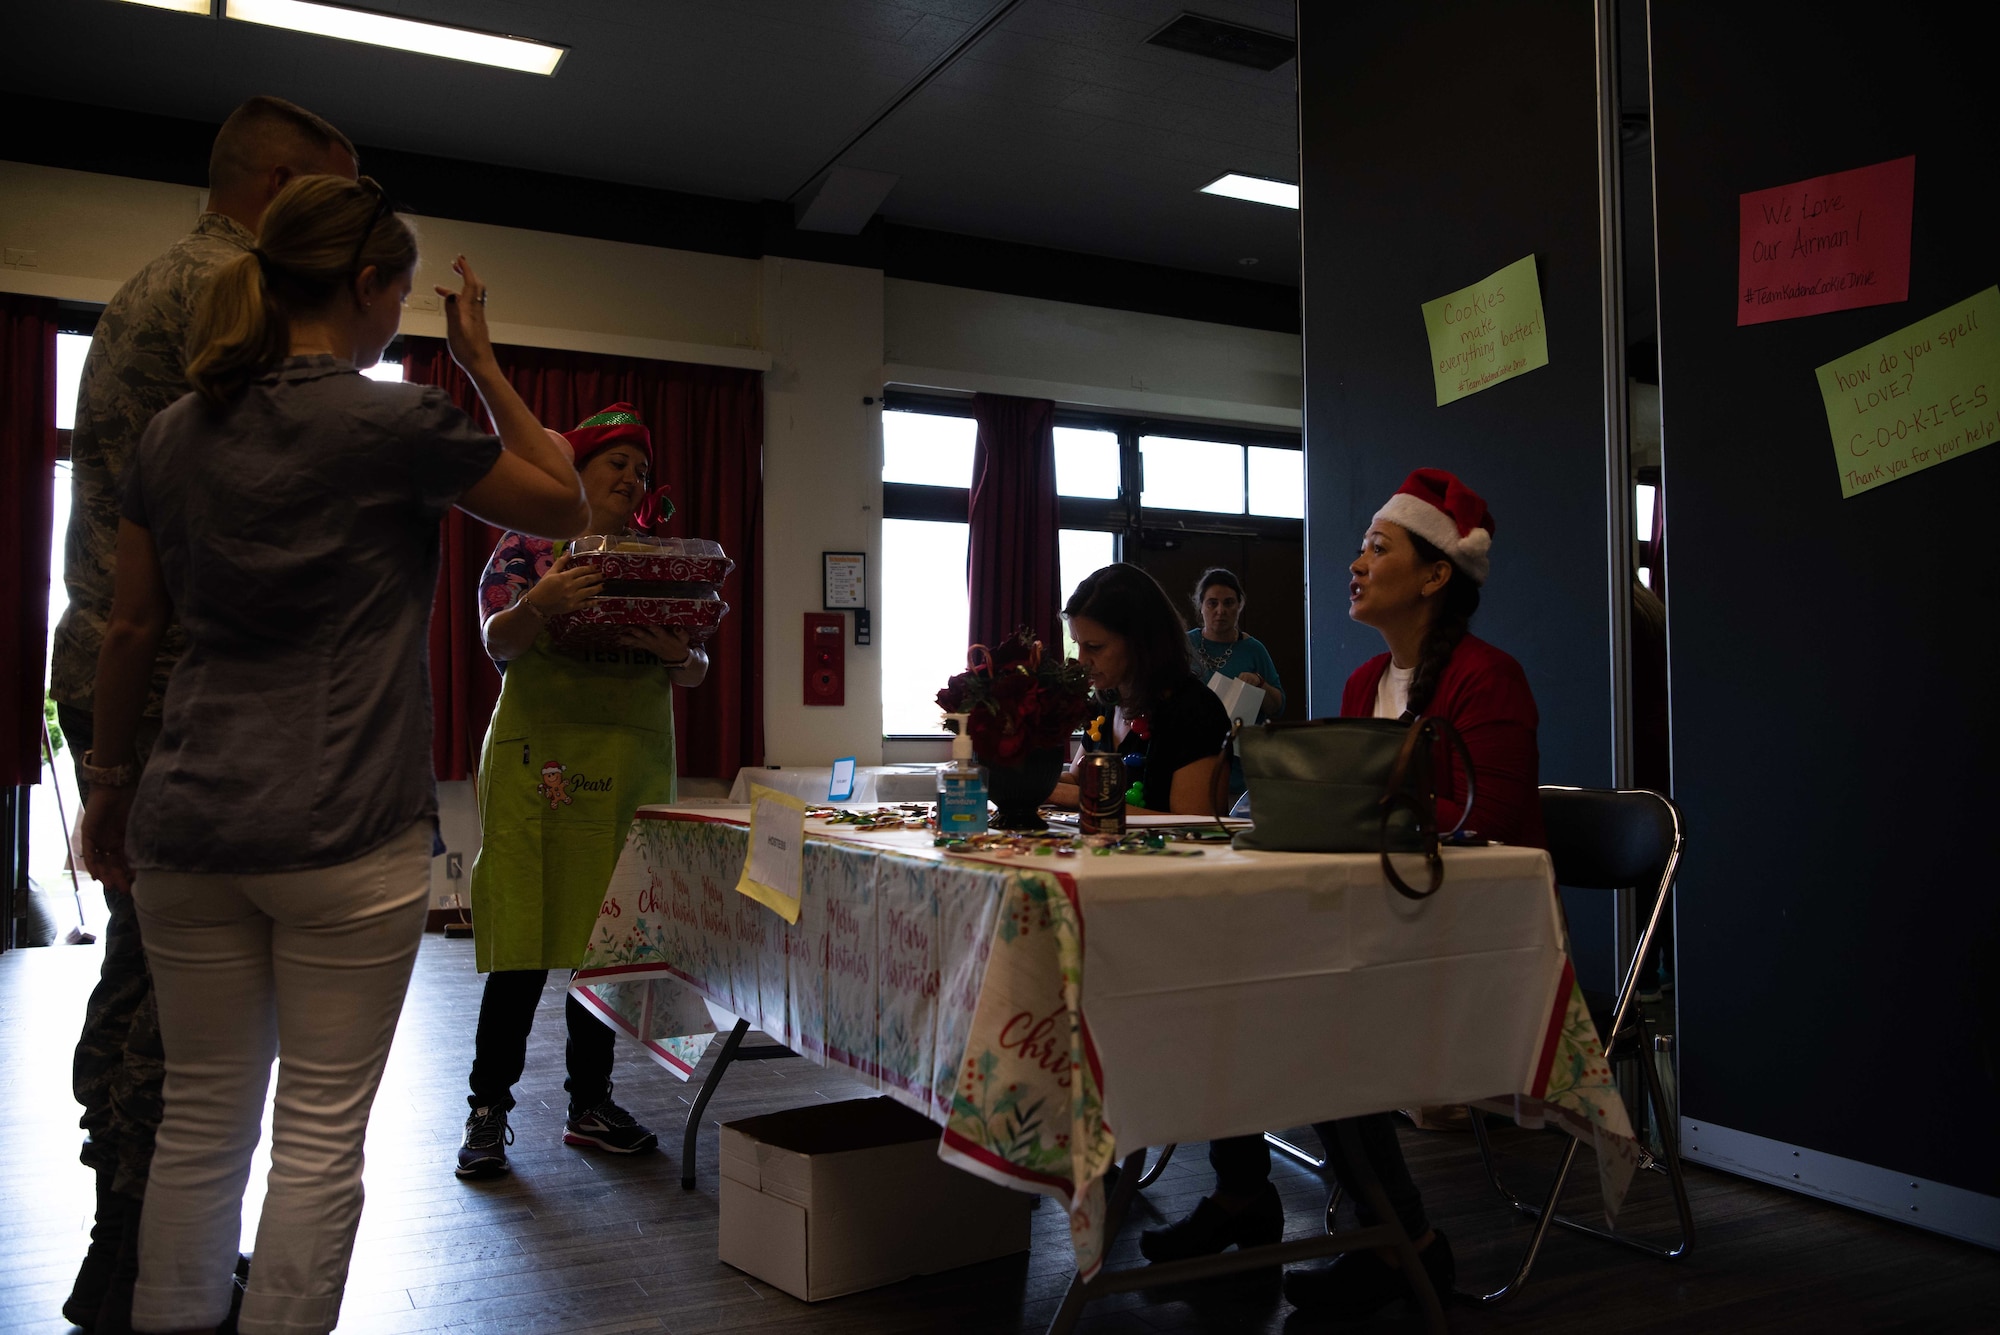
{"type": "Point", "coordinates": [1446, 513]}
{"type": "Point", "coordinates": [616, 425]}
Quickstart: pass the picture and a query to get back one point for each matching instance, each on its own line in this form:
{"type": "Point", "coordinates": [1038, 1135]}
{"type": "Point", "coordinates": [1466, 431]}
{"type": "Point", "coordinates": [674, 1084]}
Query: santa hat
{"type": "Point", "coordinates": [616, 425]}
{"type": "Point", "coordinates": [1447, 514]}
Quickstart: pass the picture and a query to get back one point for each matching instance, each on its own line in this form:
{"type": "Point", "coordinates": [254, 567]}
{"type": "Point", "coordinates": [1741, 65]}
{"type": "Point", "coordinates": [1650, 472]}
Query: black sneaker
{"type": "Point", "coordinates": [1211, 1229]}
{"type": "Point", "coordinates": [483, 1153]}
{"type": "Point", "coordinates": [1359, 1284]}
{"type": "Point", "coordinates": [606, 1126]}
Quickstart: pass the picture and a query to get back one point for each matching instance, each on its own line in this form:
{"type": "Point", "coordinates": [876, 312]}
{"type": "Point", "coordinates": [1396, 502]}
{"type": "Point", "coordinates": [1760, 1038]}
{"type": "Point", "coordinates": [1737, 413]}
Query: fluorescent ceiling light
{"type": "Point", "coordinates": [429, 39]}
{"type": "Point", "coordinates": [202, 7]}
{"type": "Point", "coordinates": [1256, 189]}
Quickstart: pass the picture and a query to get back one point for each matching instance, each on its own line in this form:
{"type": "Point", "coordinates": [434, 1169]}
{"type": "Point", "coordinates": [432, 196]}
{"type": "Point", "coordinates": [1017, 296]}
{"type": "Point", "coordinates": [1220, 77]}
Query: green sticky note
{"type": "Point", "coordinates": [1923, 395]}
{"type": "Point", "coordinates": [1489, 332]}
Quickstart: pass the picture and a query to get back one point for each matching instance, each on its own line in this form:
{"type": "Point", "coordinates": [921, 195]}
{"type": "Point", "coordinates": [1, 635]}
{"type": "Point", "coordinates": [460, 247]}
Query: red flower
{"type": "Point", "coordinates": [1017, 697]}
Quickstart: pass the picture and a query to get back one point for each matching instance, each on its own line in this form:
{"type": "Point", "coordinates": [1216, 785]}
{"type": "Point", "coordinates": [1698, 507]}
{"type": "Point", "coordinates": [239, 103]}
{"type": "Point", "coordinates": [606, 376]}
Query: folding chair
{"type": "Point", "coordinates": [1611, 839]}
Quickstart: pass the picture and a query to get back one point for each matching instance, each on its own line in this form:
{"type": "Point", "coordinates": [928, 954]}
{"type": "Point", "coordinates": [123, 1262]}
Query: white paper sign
{"type": "Point", "coordinates": [1239, 697]}
{"type": "Point", "coordinates": [841, 786]}
{"type": "Point", "coordinates": [774, 869]}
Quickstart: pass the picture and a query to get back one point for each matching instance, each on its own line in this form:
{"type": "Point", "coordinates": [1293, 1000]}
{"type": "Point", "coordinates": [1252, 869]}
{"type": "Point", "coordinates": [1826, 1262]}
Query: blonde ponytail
{"type": "Point", "coordinates": [239, 329]}
{"type": "Point", "coordinates": [317, 237]}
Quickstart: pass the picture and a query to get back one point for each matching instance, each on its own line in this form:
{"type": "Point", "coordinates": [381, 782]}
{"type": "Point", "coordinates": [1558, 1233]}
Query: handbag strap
{"type": "Point", "coordinates": [1397, 796]}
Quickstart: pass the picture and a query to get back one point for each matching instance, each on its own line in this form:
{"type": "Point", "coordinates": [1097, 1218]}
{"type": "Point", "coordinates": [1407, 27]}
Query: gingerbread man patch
{"type": "Point", "coordinates": [552, 786]}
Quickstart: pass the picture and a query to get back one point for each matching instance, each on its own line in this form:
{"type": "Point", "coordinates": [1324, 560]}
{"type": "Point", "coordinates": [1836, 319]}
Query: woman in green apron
{"type": "Point", "coordinates": [579, 741]}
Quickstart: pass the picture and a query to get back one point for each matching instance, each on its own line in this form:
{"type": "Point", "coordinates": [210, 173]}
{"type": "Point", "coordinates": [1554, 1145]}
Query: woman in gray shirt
{"type": "Point", "coordinates": [278, 843]}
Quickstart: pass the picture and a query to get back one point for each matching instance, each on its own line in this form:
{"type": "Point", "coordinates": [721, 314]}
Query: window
{"type": "Point", "coordinates": [1087, 463]}
{"type": "Point", "coordinates": [71, 349]}
{"type": "Point", "coordinates": [1222, 477]}
{"type": "Point", "coordinates": [1203, 475]}
{"type": "Point", "coordinates": [1277, 482]}
{"type": "Point", "coordinates": [925, 611]}
{"type": "Point", "coordinates": [1078, 552]}
{"type": "Point", "coordinates": [927, 449]}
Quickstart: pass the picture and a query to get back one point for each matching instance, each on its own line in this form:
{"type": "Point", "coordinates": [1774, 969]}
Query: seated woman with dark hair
{"type": "Point", "coordinates": [1131, 641]}
{"type": "Point", "coordinates": [1416, 580]}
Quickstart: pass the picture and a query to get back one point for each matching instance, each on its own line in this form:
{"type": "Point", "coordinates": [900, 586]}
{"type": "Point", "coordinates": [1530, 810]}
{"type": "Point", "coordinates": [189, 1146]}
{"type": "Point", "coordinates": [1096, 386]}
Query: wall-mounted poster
{"type": "Point", "coordinates": [845, 576]}
{"type": "Point", "coordinates": [1486, 333]}
{"type": "Point", "coordinates": [1826, 244]}
{"type": "Point", "coordinates": [1924, 394]}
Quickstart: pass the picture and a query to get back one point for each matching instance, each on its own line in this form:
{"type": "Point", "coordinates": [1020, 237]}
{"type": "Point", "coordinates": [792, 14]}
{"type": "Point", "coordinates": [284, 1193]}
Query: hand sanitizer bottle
{"type": "Point", "coordinates": [960, 786]}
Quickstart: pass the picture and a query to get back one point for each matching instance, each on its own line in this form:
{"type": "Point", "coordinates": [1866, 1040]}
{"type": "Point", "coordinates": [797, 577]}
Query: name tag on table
{"type": "Point", "coordinates": [840, 787]}
{"type": "Point", "coordinates": [774, 869]}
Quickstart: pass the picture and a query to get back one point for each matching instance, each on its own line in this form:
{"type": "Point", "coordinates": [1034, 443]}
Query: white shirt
{"type": "Point", "coordinates": [1392, 693]}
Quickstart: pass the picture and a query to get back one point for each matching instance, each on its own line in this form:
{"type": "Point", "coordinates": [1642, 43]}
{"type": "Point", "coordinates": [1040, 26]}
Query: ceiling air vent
{"type": "Point", "coordinates": [1200, 36]}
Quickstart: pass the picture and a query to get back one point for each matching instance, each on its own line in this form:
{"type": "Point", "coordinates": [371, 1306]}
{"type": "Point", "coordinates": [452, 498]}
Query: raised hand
{"type": "Point", "coordinates": [465, 319]}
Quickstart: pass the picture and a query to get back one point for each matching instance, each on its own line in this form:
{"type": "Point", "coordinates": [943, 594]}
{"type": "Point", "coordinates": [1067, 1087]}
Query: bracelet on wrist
{"type": "Point", "coordinates": [107, 776]}
{"type": "Point", "coordinates": [537, 612]}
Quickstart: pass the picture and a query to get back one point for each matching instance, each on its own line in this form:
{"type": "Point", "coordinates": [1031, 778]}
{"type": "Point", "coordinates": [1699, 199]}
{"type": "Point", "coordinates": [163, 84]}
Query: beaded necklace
{"type": "Point", "coordinates": [1214, 661]}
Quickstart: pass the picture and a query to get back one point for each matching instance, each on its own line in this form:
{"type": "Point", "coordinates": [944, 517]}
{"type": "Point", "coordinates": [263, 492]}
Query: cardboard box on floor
{"type": "Point", "coordinates": [839, 1197]}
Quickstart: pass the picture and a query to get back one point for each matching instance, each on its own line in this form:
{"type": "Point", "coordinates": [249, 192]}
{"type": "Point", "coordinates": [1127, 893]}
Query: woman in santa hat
{"type": "Point", "coordinates": [1416, 580]}
{"type": "Point", "coordinates": [548, 842]}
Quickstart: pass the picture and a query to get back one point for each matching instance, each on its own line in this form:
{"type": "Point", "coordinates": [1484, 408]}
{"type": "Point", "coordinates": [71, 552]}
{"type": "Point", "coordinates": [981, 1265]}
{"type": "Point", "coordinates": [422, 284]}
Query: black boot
{"type": "Point", "coordinates": [114, 1312]}
{"type": "Point", "coordinates": [1212, 1229]}
{"type": "Point", "coordinates": [87, 1294]}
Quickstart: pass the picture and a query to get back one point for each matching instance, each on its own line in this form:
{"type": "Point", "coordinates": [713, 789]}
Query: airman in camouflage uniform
{"type": "Point", "coordinates": [136, 367]}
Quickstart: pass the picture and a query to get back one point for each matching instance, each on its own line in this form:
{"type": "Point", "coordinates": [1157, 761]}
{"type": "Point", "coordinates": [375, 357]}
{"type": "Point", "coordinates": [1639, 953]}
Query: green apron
{"type": "Point", "coordinates": [578, 742]}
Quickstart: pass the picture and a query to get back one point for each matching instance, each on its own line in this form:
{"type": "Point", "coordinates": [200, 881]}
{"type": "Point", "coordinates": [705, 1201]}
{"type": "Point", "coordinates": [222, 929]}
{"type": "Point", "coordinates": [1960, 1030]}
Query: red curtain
{"type": "Point", "coordinates": [708, 444]}
{"type": "Point", "coordinates": [27, 477]}
{"type": "Point", "coordinates": [1013, 578]}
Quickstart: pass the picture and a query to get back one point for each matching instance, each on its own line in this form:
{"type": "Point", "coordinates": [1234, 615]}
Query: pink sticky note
{"type": "Point", "coordinates": [1826, 244]}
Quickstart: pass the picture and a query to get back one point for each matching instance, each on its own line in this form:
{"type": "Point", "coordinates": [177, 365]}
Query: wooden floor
{"type": "Point", "coordinates": [573, 1242]}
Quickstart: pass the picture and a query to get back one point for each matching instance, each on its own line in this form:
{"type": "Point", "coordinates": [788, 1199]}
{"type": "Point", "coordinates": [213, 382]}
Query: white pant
{"type": "Point", "coordinates": [310, 963]}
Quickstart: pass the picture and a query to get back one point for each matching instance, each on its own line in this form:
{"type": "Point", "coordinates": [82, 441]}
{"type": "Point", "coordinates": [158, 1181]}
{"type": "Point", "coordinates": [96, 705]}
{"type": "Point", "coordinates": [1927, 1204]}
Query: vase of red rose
{"type": "Point", "coordinates": [1021, 705]}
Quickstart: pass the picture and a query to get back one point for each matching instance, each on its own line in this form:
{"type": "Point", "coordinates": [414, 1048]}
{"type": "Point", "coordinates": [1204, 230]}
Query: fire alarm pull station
{"type": "Point", "coordinates": [826, 658]}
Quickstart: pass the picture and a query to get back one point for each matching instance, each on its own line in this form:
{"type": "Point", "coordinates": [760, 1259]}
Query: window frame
{"type": "Point", "coordinates": [1133, 527]}
{"type": "Point", "coordinates": [1123, 516]}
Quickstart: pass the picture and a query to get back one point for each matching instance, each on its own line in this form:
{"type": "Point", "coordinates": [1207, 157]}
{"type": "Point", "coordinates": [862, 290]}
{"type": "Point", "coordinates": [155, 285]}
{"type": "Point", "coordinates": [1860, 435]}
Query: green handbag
{"type": "Point", "coordinates": [1350, 785]}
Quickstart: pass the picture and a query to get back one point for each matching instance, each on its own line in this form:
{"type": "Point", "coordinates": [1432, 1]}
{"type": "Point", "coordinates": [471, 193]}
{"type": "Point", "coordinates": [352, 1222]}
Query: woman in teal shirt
{"type": "Point", "coordinates": [1220, 645]}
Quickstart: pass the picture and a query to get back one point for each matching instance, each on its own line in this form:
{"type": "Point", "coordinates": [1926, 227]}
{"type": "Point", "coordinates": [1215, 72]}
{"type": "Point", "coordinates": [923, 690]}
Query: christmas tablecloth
{"type": "Point", "coordinates": [1053, 1013]}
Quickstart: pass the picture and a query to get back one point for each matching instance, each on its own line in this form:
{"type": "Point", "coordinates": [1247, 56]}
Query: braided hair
{"type": "Point", "coordinates": [1449, 624]}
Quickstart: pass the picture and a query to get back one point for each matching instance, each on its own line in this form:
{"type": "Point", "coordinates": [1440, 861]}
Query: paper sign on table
{"type": "Point", "coordinates": [774, 868]}
{"type": "Point", "coordinates": [1489, 332]}
{"type": "Point", "coordinates": [1922, 395]}
{"type": "Point", "coordinates": [840, 786]}
{"type": "Point", "coordinates": [1826, 244]}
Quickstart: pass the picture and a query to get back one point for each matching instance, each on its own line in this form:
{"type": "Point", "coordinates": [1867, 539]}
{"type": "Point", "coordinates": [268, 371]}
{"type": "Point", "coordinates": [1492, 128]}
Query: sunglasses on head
{"type": "Point", "coordinates": [382, 210]}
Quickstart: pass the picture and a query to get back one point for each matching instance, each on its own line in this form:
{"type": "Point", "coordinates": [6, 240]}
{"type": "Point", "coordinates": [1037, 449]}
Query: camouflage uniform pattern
{"type": "Point", "coordinates": [120, 1065]}
{"type": "Point", "coordinates": [136, 367]}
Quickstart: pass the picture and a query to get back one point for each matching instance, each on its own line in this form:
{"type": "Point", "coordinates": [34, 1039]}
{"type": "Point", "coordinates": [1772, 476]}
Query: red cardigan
{"type": "Point", "coordinates": [1484, 694]}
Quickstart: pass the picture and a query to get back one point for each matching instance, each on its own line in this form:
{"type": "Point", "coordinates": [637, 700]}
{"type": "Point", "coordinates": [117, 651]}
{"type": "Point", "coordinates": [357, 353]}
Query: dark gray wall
{"type": "Point", "coordinates": [1439, 142]}
{"type": "Point", "coordinates": [1832, 660]}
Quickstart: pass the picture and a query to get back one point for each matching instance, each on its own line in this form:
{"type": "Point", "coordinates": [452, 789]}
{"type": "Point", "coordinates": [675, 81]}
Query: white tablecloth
{"type": "Point", "coordinates": [1052, 1013]}
{"type": "Point", "coordinates": [872, 783]}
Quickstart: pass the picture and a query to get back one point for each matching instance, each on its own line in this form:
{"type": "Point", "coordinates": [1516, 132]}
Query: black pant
{"type": "Point", "coordinates": [119, 1070]}
{"type": "Point", "coordinates": [1243, 1164]}
{"type": "Point", "coordinates": [500, 1045]}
